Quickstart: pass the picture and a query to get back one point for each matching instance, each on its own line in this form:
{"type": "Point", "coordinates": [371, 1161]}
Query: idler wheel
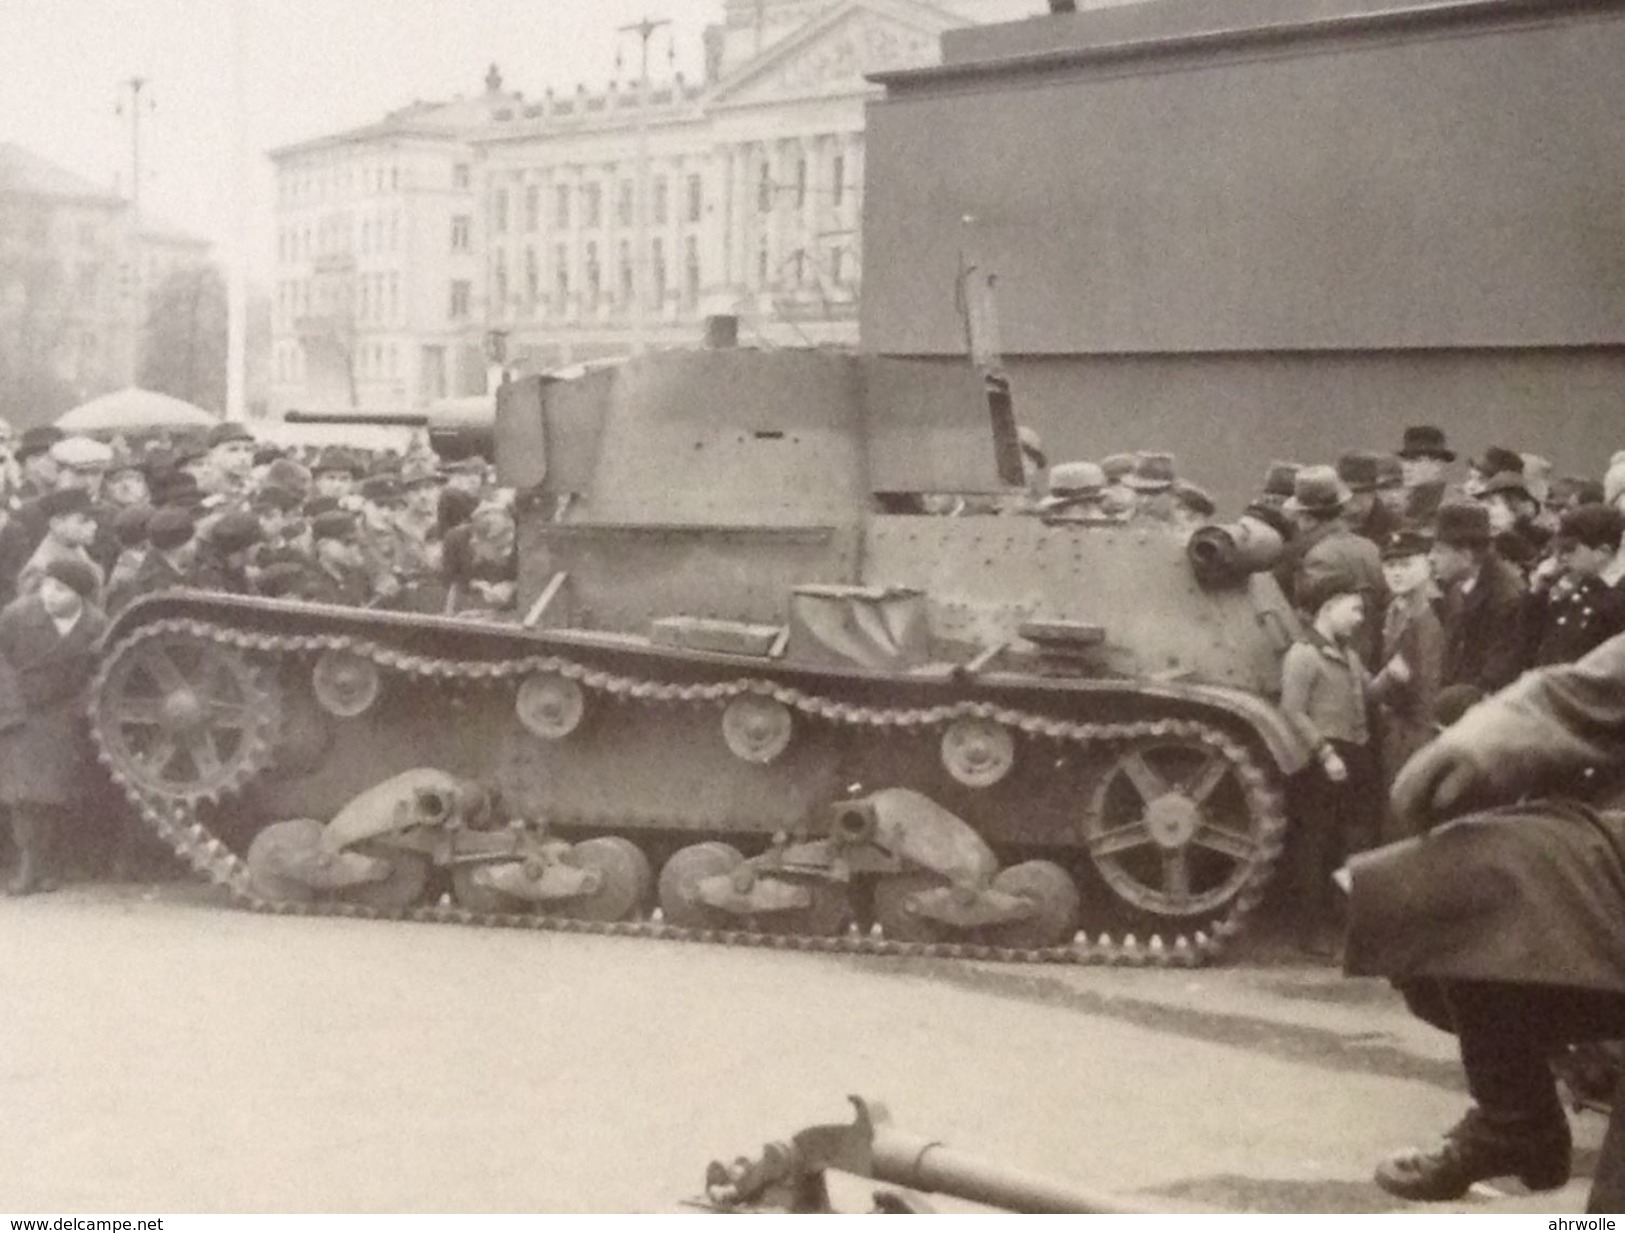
{"type": "Point", "coordinates": [757, 729]}
{"type": "Point", "coordinates": [1055, 895]}
{"type": "Point", "coordinates": [345, 684]}
{"type": "Point", "coordinates": [680, 880]}
{"type": "Point", "coordinates": [978, 752]}
{"type": "Point", "coordinates": [896, 918]}
{"type": "Point", "coordinates": [627, 880]}
{"type": "Point", "coordinates": [400, 890]}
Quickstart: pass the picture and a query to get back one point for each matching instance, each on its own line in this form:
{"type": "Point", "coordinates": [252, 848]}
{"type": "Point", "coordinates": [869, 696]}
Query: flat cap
{"type": "Point", "coordinates": [82, 452]}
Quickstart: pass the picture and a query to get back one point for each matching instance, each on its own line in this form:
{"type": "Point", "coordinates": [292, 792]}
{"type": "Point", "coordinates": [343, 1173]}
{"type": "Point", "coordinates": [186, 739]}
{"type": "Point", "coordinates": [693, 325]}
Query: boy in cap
{"type": "Point", "coordinates": [1572, 610]}
{"type": "Point", "coordinates": [130, 530]}
{"type": "Point", "coordinates": [1325, 546]}
{"type": "Point", "coordinates": [338, 574]}
{"type": "Point", "coordinates": [1325, 691]}
{"type": "Point", "coordinates": [171, 550]}
{"type": "Point", "coordinates": [47, 646]}
{"type": "Point", "coordinates": [70, 529]}
{"type": "Point", "coordinates": [1482, 602]}
{"type": "Point", "coordinates": [1410, 632]}
{"type": "Point", "coordinates": [221, 563]}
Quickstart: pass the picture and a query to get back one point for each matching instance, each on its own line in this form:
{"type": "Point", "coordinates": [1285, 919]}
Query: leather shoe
{"type": "Point", "coordinates": [1479, 1147]}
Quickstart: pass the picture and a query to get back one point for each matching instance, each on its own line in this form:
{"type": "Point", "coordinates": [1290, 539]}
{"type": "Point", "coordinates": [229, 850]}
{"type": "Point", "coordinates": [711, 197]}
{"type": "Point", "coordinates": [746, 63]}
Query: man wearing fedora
{"type": "Point", "coordinates": [1424, 457]}
{"type": "Point", "coordinates": [1482, 602]}
{"type": "Point", "coordinates": [1366, 514]}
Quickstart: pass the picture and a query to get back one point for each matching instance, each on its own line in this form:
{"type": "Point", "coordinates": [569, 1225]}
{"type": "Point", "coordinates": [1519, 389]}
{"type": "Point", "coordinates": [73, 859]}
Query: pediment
{"type": "Point", "coordinates": [832, 57]}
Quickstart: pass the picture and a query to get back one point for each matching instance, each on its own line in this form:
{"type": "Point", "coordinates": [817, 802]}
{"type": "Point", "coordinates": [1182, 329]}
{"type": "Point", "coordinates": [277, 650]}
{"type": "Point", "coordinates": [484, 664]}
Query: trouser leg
{"type": "Point", "coordinates": [30, 830]}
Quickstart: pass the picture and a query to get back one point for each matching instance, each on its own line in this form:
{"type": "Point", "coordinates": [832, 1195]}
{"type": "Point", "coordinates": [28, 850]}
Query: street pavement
{"type": "Point", "coordinates": [162, 1052]}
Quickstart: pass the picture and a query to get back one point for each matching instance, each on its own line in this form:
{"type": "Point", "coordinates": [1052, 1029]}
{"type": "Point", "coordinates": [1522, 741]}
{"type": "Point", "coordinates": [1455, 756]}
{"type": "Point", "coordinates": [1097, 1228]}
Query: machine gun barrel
{"type": "Point", "coordinates": [402, 419]}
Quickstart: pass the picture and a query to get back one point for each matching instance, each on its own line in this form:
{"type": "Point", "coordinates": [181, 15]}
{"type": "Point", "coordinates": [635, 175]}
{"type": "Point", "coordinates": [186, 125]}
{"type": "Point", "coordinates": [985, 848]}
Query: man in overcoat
{"type": "Point", "coordinates": [1507, 925]}
{"type": "Point", "coordinates": [47, 645]}
{"type": "Point", "coordinates": [1483, 602]}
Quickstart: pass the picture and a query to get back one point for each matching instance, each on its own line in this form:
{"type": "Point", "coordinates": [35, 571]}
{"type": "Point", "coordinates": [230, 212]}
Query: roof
{"type": "Point", "coordinates": [454, 119]}
{"type": "Point", "coordinates": [1154, 27]}
{"type": "Point", "coordinates": [24, 173]}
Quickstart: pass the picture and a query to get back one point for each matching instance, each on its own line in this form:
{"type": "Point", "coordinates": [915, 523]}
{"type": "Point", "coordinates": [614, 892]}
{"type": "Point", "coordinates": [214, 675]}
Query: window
{"type": "Point", "coordinates": [459, 299]}
{"type": "Point", "coordinates": [837, 178]}
{"type": "Point", "coordinates": [394, 297]}
{"type": "Point", "coordinates": [623, 208]}
{"type": "Point", "coordinates": [561, 279]}
{"type": "Point", "coordinates": [561, 206]}
{"type": "Point", "coordinates": [533, 277]}
{"type": "Point", "coordinates": [691, 270]}
{"type": "Point", "coordinates": [366, 299]}
{"type": "Point", "coordinates": [801, 183]}
{"type": "Point", "coordinates": [696, 198]}
{"type": "Point", "coordinates": [394, 230]}
{"type": "Point", "coordinates": [459, 233]}
{"type": "Point", "coordinates": [593, 274]}
{"type": "Point", "coordinates": [499, 281]}
{"type": "Point", "coordinates": [499, 211]}
{"type": "Point", "coordinates": [626, 272]}
{"type": "Point", "coordinates": [657, 272]}
{"type": "Point", "coordinates": [533, 207]}
{"type": "Point", "coordinates": [660, 199]}
{"type": "Point", "coordinates": [764, 191]}
{"type": "Point", "coordinates": [591, 204]}
{"type": "Point", "coordinates": [459, 176]}
{"type": "Point", "coordinates": [761, 265]}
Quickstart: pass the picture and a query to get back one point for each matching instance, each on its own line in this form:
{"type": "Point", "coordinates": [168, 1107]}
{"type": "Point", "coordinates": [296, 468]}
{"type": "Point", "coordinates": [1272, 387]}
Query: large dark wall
{"type": "Point", "coordinates": [1282, 242]}
{"type": "Point", "coordinates": [1226, 417]}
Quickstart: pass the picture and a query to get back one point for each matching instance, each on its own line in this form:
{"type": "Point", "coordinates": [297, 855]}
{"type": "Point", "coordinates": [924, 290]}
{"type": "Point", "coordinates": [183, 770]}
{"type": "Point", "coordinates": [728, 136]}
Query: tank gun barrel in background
{"type": "Point", "coordinates": [393, 420]}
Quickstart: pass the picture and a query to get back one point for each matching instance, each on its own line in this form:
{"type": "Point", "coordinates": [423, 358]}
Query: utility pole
{"type": "Point", "coordinates": [237, 268]}
{"type": "Point", "coordinates": [134, 85]}
{"type": "Point", "coordinates": [640, 193]}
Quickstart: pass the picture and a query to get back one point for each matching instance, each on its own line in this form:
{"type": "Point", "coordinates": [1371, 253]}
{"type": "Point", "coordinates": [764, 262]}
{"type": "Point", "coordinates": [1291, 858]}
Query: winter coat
{"type": "Point", "coordinates": [1411, 630]}
{"type": "Point", "coordinates": [1485, 644]}
{"type": "Point", "coordinates": [44, 758]}
{"type": "Point", "coordinates": [1532, 892]}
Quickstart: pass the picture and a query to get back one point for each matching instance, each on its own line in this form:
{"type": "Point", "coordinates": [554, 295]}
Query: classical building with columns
{"type": "Point", "coordinates": [412, 251]}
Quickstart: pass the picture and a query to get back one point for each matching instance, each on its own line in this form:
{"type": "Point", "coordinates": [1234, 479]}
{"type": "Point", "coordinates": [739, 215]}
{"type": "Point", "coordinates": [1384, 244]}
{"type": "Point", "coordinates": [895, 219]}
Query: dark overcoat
{"type": "Point", "coordinates": [1485, 644]}
{"type": "Point", "coordinates": [1532, 892]}
{"type": "Point", "coordinates": [45, 758]}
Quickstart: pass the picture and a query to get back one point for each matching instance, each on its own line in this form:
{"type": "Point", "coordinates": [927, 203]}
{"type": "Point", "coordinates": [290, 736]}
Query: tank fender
{"type": "Point", "coordinates": [912, 826]}
{"type": "Point", "coordinates": [419, 797]}
{"type": "Point", "coordinates": [1263, 719]}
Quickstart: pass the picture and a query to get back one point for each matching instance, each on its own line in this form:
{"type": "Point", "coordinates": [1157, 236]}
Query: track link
{"type": "Point", "coordinates": [178, 822]}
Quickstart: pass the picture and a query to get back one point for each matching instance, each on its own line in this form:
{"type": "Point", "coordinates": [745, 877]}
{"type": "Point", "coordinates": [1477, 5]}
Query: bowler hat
{"type": "Point", "coordinates": [61, 501]}
{"type": "Point", "coordinates": [1462, 524]}
{"type": "Point", "coordinates": [1591, 526]}
{"type": "Point", "coordinates": [1316, 490]}
{"type": "Point", "coordinates": [1358, 469]}
{"type": "Point", "coordinates": [1406, 544]}
{"type": "Point", "coordinates": [1426, 441]}
{"type": "Point", "coordinates": [1152, 473]}
{"type": "Point", "coordinates": [1278, 478]}
{"type": "Point", "coordinates": [170, 527]}
{"type": "Point", "coordinates": [288, 474]}
{"type": "Point", "coordinates": [79, 576]}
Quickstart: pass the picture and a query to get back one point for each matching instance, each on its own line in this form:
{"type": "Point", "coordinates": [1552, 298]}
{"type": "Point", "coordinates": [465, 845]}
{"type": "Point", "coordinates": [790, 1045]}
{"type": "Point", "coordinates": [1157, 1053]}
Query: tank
{"type": "Point", "coordinates": [755, 694]}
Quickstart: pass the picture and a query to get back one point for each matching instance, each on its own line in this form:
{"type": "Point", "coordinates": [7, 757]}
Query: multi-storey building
{"type": "Point", "coordinates": [411, 250]}
{"type": "Point", "coordinates": [77, 273]}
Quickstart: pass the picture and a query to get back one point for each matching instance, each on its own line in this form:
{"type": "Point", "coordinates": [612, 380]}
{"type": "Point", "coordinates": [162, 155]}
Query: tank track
{"type": "Point", "coordinates": [179, 825]}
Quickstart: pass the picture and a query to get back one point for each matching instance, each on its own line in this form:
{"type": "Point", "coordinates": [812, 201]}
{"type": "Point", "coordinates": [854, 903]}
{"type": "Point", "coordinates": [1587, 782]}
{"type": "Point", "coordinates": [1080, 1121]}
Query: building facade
{"type": "Point", "coordinates": [545, 231]}
{"type": "Point", "coordinates": [78, 269]}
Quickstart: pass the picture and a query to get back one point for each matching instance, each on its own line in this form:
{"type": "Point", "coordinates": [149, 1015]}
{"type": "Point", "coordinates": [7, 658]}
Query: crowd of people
{"type": "Point", "coordinates": [87, 527]}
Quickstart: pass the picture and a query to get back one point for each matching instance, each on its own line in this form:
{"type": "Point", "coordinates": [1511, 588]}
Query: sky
{"type": "Point", "coordinates": [312, 67]}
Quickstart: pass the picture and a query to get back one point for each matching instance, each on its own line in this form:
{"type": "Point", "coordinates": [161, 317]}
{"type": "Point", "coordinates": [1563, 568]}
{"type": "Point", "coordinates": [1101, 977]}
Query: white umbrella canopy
{"type": "Point", "coordinates": [133, 410]}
